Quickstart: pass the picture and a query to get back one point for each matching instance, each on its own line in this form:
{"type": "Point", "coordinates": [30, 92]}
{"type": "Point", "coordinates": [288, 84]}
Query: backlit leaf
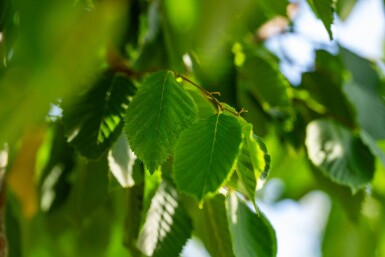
{"type": "Point", "coordinates": [159, 112]}
{"type": "Point", "coordinates": [212, 227]}
{"type": "Point", "coordinates": [167, 227]}
{"type": "Point", "coordinates": [121, 162]}
{"type": "Point", "coordinates": [252, 234]}
{"type": "Point", "coordinates": [95, 119]}
{"type": "Point", "coordinates": [253, 162]}
{"type": "Point", "coordinates": [206, 153]}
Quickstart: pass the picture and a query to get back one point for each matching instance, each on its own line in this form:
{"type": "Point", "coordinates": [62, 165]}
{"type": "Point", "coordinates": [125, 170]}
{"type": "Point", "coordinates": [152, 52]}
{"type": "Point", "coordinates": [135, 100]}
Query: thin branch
{"type": "Point", "coordinates": [210, 95]}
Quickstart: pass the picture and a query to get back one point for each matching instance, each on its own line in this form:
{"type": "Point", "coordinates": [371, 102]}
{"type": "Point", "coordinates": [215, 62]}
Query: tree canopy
{"type": "Point", "coordinates": [128, 128]}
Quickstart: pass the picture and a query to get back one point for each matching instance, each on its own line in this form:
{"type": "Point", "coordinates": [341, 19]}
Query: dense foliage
{"type": "Point", "coordinates": [129, 127]}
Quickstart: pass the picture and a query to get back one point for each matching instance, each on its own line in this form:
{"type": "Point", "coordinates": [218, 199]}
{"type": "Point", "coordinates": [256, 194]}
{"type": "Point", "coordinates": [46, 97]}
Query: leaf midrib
{"type": "Point", "coordinates": [159, 115]}
{"type": "Point", "coordinates": [211, 156]}
{"type": "Point", "coordinates": [215, 228]}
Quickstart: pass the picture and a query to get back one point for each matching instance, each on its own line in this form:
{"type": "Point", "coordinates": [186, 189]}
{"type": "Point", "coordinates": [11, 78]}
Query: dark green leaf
{"type": "Point", "coordinates": [159, 112]}
{"type": "Point", "coordinates": [265, 82]}
{"type": "Point", "coordinates": [94, 120]}
{"type": "Point", "coordinates": [252, 234]}
{"type": "Point", "coordinates": [167, 227]}
{"type": "Point", "coordinates": [135, 197]}
{"type": "Point", "coordinates": [324, 9]}
{"type": "Point", "coordinates": [328, 92]}
{"type": "Point", "coordinates": [90, 189]}
{"type": "Point", "coordinates": [206, 153]}
{"type": "Point", "coordinates": [339, 154]}
{"type": "Point", "coordinates": [370, 108]}
{"type": "Point", "coordinates": [54, 182]}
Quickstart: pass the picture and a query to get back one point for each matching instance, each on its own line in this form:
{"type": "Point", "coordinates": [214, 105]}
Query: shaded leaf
{"type": "Point", "coordinates": [54, 182]}
{"type": "Point", "coordinates": [252, 234]}
{"type": "Point", "coordinates": [264, 80]}
{"type": "Point", "coordinates": [94, 120]}
{"type": "Point", "coordinates": [370, 109]}
{"type": "Point", "coordinates": [159, 112]}
{"type": "Point", "coordinates": [167, 227]}
{"type": "Point", "coordinates": [121, 162]}
{"type": "Point", "coordinates": [90, 189]}
{"type": "Point", "coordinates": [374, 146]}
{"type": "Point", "coordinates": [206, 153]}
{"type": "Point", "coordinates": [134, 216]}
{"type": "Point", "coordinates": [328, 92]}
{"type": "Point", "coordinates": [339, 154]}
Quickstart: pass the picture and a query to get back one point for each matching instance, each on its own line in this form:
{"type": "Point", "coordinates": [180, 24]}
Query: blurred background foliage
{"type": "Point", "coordinates": [67, 188]}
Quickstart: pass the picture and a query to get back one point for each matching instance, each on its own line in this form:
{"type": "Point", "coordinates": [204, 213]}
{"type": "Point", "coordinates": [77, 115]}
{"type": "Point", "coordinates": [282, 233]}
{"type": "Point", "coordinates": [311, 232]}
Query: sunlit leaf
{"type": "Point", "coordinates": [253, 162]}
{"type": "Point", "coordinates": [206, 153]}
{"type": "Point", "coordinates": [339, 154]}
{"type": "Point", "coordinates": [94, 120]}
{"type": "Point", "coordinates": [121, 162]}
{"type": "Point", "coordinates": [252, 234]}
{"type": "Point", "coordinates": [167, 227]}
{"type": "Point", "coordinates": [159, 112]}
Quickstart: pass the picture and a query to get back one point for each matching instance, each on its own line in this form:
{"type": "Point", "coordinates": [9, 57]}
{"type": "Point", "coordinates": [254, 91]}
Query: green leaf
{"type": "Point", "coordinates": [253, 162]}
{"type": "Point", "coordinates": [339, 154]}
{"type": "Point", "coordinates": [121, 161]}
{"type": "Point", "coordinates": [212, 227]}
{"type": "Point", "coordinates": [54, 181]}
{"type": "Point", "coordinates": [159, 112]}
{"type": "Point", "coordinates": [344, 8]}
{"type": "Point", "coordinates": [324, 9]}
{"type": "Point", "coordinates": [206, 154]}
{"type": "Point", "coordinates": [375, 147]}
{"type": "Point", "coordinates": [94, 120]}
{"type": "Point", "coordinates": [370, 108]}
{"type": "Point", "coordinates": [204, 106]}
{"type": "Point", "coordinates": [90, 189]}
{"type": "Point", "coordinates": [328, 92]}
{"type": "Point", "coordinates": [135, 197]}
{"type": "Point", "coordinates": [167, 227]}
{"type": "Point", "coordinates": [252, 234]}
{"type": "Point", "coordinates": [264, 81]}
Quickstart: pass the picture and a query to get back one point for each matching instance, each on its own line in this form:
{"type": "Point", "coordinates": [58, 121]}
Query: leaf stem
{"type": "Point", "coordinates": [210, 95]}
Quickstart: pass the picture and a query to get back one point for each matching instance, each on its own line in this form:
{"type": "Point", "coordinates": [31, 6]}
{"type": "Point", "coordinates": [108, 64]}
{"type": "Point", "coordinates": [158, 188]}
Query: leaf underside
{"type": "Point", "coordinates": [206, 153]}
{"type": "Point", "coordinates": [158, 113]}
{"type": "Point", "coordinates": [167, 227]}
{"type": "Point", "coordinates": [95, 119]}
{"type": "Point", "coordinates": [252, 234]}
